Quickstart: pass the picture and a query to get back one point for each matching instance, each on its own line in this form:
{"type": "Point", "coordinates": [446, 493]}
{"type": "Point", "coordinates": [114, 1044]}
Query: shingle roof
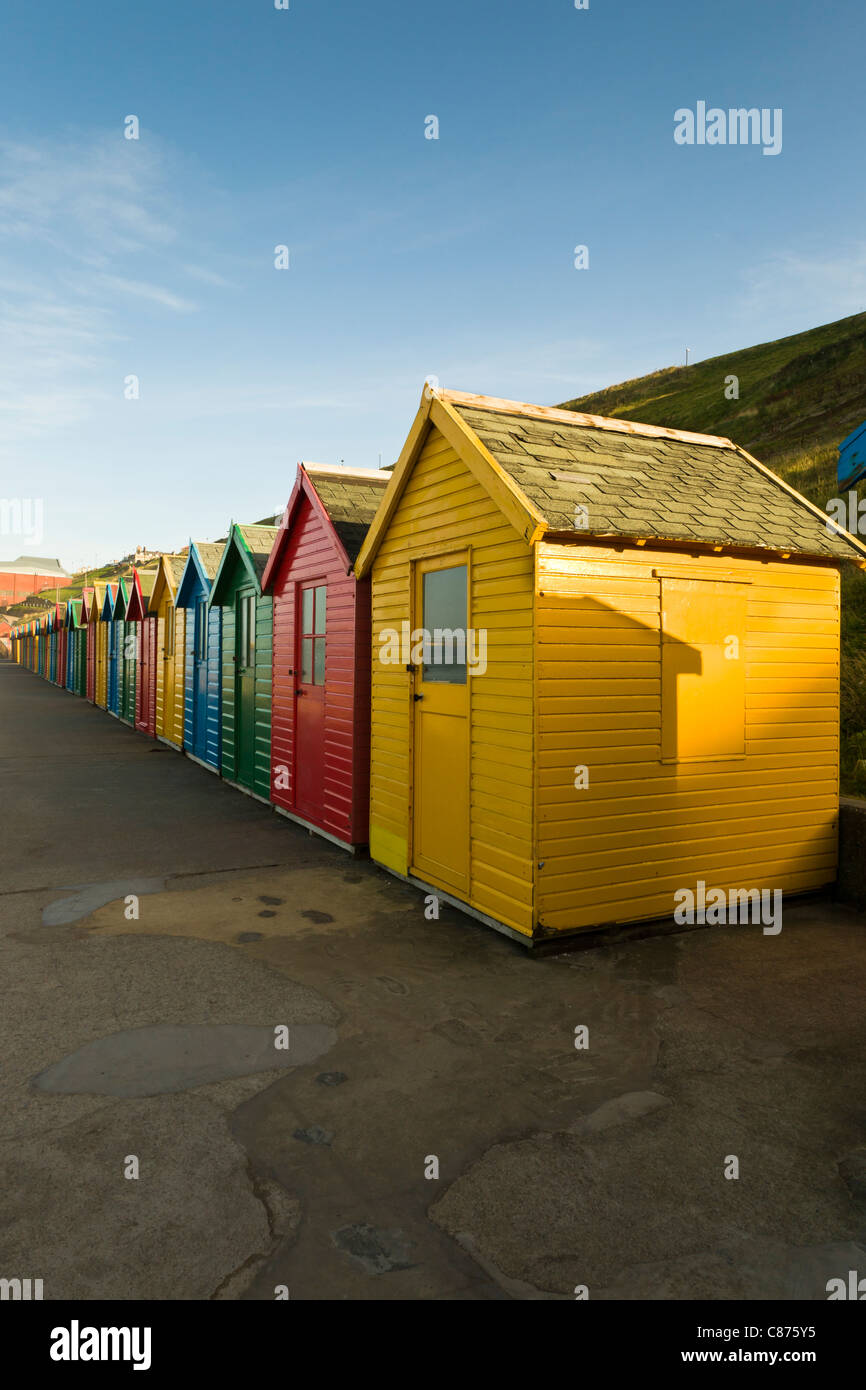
{"type": "Point", "coordinates": [175, 566]}
{"type": "Point", "coordinates": [210, 555]}
{"type": "Point", "coordinates": [260, 540]}
{"type": "Point", "coordinates": [351, 501]}
{"type": "Point", "coordinates": [646, 484]}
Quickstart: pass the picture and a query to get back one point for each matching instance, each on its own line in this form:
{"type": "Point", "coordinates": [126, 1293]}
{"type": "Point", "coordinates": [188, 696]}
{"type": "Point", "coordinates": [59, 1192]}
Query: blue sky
{"type": "Point", "coordinates": [409, 257]}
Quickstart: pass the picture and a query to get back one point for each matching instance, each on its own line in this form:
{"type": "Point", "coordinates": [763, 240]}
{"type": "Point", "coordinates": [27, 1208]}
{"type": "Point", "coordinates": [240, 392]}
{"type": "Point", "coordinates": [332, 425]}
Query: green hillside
{"type": "Point", "coordinates": [798, 398]}
{"type": "Point", "coordinates": [36, 605]}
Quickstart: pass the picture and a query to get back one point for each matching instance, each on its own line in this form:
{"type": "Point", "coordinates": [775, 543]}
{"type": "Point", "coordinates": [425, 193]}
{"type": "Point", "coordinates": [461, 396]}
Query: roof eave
{"type": "Point", "coordinates": [616, 540]}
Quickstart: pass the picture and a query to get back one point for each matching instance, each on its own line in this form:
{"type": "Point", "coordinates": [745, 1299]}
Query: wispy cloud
{"type": "Point", "coordinates": [73, 217]}
{"type": "Point", "coordinates": [141, 290]}
{"type": "Point", "coordinates": [815, 288]}
{"type": "Point", "coordinates": [210, 277]}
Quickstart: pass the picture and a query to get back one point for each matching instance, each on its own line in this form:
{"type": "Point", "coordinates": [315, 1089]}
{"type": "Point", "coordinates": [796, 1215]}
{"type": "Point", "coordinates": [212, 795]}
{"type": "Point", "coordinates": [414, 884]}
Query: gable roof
{"type": "Point", "coordinates": [166, 576]}
{"type": "Point", "coordinates": [73, 613]}
{"type": "Point", "coordinates": [252, 545]}
{"type": "Point", "coordinates": [202, 563]}
{"type": "Point", "coordinates": [121, 598]}
{"type": "Point", "coordinates": [140, 591]}
{"type": "Point", "coordinates": [346, 498]}
{"type": "Point", "coordinates": [635, 482]}
{"type": "Point", "coordinates": [107, 612]}
{"type": "Point", "coordinates": [96, 600]}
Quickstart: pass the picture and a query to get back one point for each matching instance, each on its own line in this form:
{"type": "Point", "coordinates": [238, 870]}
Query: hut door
{"type": "Point", "coordinates": [310, 704]}
{"type": "Point", "coordinates": [168, 671]}
{"type": "Point", "coordinates": [245, 687]}
{"type": "Point", "coordinates": [199, 680]}
{"type": "Point", "coordinates": [145, 668]}
{"type": "Point", "coordinates": [441, 723]}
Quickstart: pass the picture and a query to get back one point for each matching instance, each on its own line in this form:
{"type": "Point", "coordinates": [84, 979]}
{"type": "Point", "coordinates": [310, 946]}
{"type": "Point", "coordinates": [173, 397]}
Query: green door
{"type": "Point", "coordinates": [245, 687]}
{"type": "Point", "coordinates": [120, 625]}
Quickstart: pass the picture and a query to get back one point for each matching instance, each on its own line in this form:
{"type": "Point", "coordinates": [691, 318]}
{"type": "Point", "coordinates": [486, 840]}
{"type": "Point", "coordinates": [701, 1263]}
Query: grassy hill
{"type": "Point", "coordinates": [798, 398]}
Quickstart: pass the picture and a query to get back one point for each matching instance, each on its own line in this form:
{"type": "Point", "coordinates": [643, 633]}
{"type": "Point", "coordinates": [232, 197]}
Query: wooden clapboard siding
{"type": "Point", "coordinates": [169, 711]}
{"type": "Point", "coordinates": [618, 851]}
{"type": "Point", "coordinates": [227, 685]}
{"type": "Point", "coordinates": [311, 553]}
{"type": "Point", "coordinates": [174, 718]}
{"type": "Point", "coordinates": [214, 683]}
{"type": "Point", "coordinates": [264, 691]}
{"type": "Point", "coordinates": [101, 664]}
{"type": "Point", "coordinates": [444, 508]}
{"type": "Point", "coordinates": [263, 687]}
{"type": "Point", "coordinates": [203, 742]}
{"type": "Point", "coordinates": [160, 673]}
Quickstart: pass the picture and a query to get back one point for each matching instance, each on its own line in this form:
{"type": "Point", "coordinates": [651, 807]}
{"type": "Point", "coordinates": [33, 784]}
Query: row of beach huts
{"type": "Point", "coordinates": [551, 667]}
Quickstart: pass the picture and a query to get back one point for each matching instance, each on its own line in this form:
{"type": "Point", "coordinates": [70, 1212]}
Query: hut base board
{"type": "Point", "coordinates": [526, 941]}
{"type": "Point", "coordinates": [584, 938]}
{"type": "Point", "coordinates": [209, 767]}
{"type": "Point", "coordinates": [169, 743]}
{"type": "Point", "coordinates": [246, 791]}
{"type": "Point", "coordinates": [317, 830]}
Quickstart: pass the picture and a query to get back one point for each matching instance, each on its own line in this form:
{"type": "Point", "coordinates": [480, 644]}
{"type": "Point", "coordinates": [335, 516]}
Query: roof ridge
{"type": "Point", "coordinates": [573, 417]}
{"type": "Point", "coordinates": [336, 470]}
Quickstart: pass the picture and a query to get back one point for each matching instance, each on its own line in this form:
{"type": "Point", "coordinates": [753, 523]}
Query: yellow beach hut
{"type": "Point", "coordinates": [170, 649]}
{"type": "Point", "coordinates": [605, 669]}
{"type": "Point", "coordinates": [97, 616]}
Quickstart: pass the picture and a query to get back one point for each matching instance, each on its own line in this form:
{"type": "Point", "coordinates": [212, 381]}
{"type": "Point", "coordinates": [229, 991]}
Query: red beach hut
{"type": "Point", "coordinates": [320, 738]}
{"type": "Point", "coordinates": [145, 651]}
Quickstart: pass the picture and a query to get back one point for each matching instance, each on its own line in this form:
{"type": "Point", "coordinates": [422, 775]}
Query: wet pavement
{"type": "Point", "coordinates": [235, 1058]}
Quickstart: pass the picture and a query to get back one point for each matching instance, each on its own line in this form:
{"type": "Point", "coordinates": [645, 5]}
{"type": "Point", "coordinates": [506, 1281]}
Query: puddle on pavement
{"type": "Point", "coordinates": [164, 1058]}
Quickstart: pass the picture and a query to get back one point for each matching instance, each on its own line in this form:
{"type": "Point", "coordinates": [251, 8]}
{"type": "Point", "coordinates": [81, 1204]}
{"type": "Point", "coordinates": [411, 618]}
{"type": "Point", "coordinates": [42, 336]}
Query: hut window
{"type": "Point", "coordinates": [169, 630]}
{"type": "Point", "coordinates": [313, 623]}
{"type": "Point", "coordinates": [444, 624]}
{"type": "Point", "coordinates": [201, 629]}
{"type": "Point", "coordinates": [702, 669]}
{"type": "Point", "coordinates": [246, 649]}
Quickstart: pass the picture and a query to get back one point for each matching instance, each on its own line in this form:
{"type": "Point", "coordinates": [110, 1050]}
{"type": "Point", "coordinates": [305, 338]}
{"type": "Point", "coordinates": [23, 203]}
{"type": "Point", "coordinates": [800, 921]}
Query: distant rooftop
{"type": "Point", "coordinates": [34, 564]}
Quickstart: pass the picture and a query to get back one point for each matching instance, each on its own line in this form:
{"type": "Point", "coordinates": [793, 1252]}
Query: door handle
{"type": "Point", "coordinates": [417, 697]}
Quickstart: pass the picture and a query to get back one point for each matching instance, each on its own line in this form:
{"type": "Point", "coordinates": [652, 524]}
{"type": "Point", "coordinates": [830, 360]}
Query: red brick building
{"type": "Point", "coordinates": [29, 574]}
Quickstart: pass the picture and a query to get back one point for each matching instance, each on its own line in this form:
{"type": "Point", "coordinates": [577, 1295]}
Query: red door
{"type": "Point", "coordinates": [145, 695]}
{"type": "Point", "coordinates": [310, 702]}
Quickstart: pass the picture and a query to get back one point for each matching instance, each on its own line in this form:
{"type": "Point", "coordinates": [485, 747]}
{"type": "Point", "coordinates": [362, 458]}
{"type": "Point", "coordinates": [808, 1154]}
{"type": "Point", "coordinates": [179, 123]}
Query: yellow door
{"type": "Point", "coordinates": [440, 852]}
